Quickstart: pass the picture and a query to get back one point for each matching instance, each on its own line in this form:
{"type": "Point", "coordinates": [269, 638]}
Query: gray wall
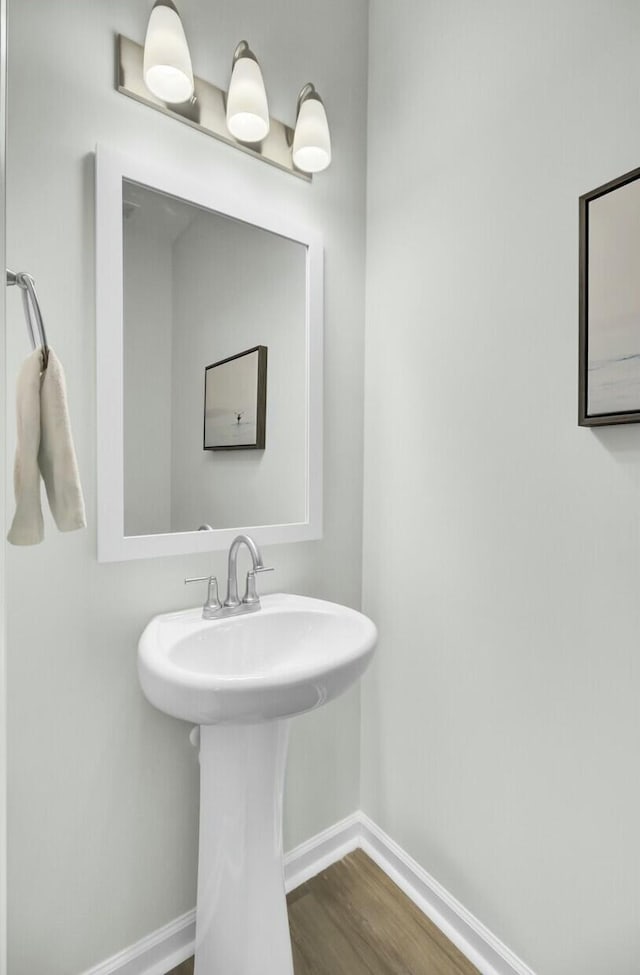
{"type": "Point", "coordinates": [103, 789]}
{"type": "Point", "coordinates": [501, 721]}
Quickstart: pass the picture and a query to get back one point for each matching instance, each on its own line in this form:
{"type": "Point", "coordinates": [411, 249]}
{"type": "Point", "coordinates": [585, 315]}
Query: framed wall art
{"type": "Point", "coordinates": [235, 401]}
{"type": "Point", "coordinates": [609, 386]}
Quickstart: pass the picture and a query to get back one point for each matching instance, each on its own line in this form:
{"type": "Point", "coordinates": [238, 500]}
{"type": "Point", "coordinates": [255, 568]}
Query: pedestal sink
{"type": "Point", "coordinates": [241, 679]}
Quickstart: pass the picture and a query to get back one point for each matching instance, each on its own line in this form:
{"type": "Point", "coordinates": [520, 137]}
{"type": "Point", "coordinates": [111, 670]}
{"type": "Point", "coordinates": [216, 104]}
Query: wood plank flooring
{"type": "Point", "coordinates": [352, 920]}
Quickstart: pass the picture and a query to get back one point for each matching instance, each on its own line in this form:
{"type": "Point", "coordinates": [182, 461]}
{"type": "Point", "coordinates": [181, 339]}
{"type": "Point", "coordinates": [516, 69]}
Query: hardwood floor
{"type": "Point", "coordinates": [186, 968]}
{"type": "Point", "coordinates": [352, 920]}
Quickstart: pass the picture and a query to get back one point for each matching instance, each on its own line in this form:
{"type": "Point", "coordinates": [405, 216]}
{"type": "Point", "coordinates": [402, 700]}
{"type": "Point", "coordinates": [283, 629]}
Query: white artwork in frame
{"type": "Point", "coordinates": [235, 401]}
{"type": "Point", "coordinates": [610, 303]}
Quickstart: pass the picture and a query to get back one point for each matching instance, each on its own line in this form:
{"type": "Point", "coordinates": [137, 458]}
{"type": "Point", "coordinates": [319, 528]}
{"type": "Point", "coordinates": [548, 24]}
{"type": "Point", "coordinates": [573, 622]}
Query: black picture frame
{"type": "Point", "coordinates": [230, 424]}
{"type": "Point", "coordinates": [589, 417]}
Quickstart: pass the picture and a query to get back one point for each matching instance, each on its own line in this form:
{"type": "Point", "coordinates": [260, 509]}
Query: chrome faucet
{"type": "Point", "coordinates": [250, 599]}
{"type": "Point", "coordinates": [233, 606]}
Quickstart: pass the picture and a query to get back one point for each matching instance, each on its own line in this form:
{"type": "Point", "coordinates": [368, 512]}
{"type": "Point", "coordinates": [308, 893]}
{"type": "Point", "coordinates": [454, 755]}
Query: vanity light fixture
{"type": "Point", "coordinates": [167, 63]}
{"type": "Point", "coordinates": [160, 76]}
{"type": "Point", "coordinates": [311, 141]}
{"type": "Point", "coordinates": [247, 107]}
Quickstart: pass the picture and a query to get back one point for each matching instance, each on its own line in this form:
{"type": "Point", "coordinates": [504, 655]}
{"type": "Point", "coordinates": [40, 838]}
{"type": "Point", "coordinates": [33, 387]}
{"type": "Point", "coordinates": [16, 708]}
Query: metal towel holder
{"type": "Point", "coordinates": [32, 312]}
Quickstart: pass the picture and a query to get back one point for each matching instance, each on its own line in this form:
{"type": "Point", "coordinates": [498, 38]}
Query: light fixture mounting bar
{"type": "Point", "coordinates": [206, 112]}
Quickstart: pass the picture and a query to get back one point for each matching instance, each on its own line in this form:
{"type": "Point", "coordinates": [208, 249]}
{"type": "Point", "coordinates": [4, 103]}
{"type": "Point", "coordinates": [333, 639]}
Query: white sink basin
{"type": "Point", "coordinates": [293, 655]}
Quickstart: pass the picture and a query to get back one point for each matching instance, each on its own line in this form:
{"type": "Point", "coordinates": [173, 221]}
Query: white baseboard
{"type": "Point", "coordinates": [311, 858]}
{"type": "Point", "coordinates": [162, 950]}
{"type": "Point", "coordinates": [155, 954]}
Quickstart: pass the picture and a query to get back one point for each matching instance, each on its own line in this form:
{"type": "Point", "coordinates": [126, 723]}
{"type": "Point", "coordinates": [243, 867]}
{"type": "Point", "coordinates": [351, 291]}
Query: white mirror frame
{"type": "Point", "coordinates": [220, 196]}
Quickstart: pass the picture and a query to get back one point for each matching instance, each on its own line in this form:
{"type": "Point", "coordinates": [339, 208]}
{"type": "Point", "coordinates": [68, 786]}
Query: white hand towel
{"type": "Point", "coordinates": [28, 527]}
{"type": "Point", "coordinates": [57, 456]}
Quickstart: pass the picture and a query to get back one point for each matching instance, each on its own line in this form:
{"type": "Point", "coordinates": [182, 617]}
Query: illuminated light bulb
{"type": "Point", "coordinates": [311, 141]}
{"type": "Point", "coordinates": [167, 68]}
{"type": "Point", "coordinates": [247, 106]}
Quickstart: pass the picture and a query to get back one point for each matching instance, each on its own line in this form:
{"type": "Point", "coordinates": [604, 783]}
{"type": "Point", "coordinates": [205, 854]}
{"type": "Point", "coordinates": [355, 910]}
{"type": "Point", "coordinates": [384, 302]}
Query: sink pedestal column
{"type": "Point", "coordinates": [242, 926]}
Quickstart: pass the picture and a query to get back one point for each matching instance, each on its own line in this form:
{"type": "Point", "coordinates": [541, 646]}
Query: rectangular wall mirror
{"type": "Point", "coordinates": [209, 325]}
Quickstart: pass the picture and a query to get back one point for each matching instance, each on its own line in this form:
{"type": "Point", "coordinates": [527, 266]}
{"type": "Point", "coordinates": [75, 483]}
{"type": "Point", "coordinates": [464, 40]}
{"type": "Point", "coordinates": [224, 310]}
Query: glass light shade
{"type": "Point", "coordinates": [167, 63]}
{"type": "Point", "coordinates": [247, 108]}
{"type": "Point", "coordinates": [311, 140]}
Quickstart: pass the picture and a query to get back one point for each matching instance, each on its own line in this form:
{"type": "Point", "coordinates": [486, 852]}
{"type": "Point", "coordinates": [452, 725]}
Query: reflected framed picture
{"type": "Point", "coordinates": [609, 386]}
{"type": "Point", "coordinates": [235, 401]}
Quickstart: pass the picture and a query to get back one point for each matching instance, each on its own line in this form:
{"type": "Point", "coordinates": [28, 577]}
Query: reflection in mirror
{"type": "Point", "coordinates": [200, 288]}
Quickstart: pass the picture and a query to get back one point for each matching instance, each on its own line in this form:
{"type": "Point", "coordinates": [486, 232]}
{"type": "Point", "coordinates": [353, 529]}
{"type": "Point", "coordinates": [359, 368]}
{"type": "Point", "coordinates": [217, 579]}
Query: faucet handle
{"type": "Point", "coordinates": [212, 604]}
{"type": "Point", "coordinates": [251, 596]}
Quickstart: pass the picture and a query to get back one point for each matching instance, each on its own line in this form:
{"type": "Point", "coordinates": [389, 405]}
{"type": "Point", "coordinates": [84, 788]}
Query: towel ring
{"type": "Point", "coordinates": [32, 313]}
